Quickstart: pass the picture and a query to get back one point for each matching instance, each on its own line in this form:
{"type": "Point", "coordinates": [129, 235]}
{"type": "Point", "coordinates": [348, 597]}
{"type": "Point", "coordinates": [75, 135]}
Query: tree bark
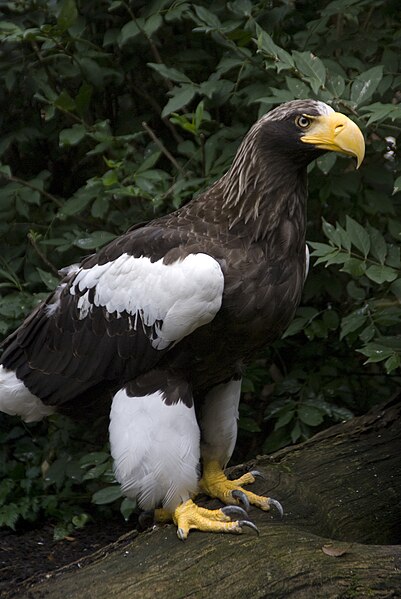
{"type": "Point", "coordinates": [341, 493]}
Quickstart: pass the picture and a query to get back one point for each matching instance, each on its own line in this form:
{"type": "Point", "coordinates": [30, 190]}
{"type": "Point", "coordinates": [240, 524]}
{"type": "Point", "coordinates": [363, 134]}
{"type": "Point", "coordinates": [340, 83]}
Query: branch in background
{"type": "Point", "coordinates": [46, 194]}
{"type": "Point", "coordinates": [157, 108]}
{"type": "Point", "coordinates": [153, 48]}
{"type": "Point", "coordinates": [161, 146]}
{"type": "Point", "coordinates": [42, 256]}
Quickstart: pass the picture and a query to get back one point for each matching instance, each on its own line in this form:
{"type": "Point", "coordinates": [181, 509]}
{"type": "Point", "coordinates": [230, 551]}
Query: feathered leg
{"type": "Point", "coordinates": [155, 444]}
{"type": "Point", "coordinates": [219, 433]}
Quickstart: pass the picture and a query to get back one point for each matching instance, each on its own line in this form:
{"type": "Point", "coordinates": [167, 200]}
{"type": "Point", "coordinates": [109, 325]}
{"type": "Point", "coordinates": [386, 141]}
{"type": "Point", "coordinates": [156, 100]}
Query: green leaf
{"type": "Point", "coordinates": [375, 352]}
{"type": "Point", "coordinates": [336, 84]}
{"type": "Point", "coordinates": [64, 101]}
{"type": "Point", "coordinates": [71, 137]}
{"type": "Point", "coordinates": [397, 185]}
{"type": "Point", "coordinates": [5, 170]}
{"type": "Point", "coordinates": [393, 257]}
{"type": "Point", "coordinates": [326, 162]}
{"type": "Point", "coordinates": [75, 205]}
{"type": "Point", "coordinates": [320, 249]}
{"type": "Point", "coordinates": [297, 325]}
{"type": "Point", "coordinates": [341, 413]}
{"type": "Point", "coordinates": [367, 333]}
{"type": "Point", "coordinates": [392, 363]}
{"type": "Point", "coordinates": [180, 97]}
{"type": "Point", "coordinates": [331, 319]}
{"type": "Point", "coordinates": [127, 507]}
{"type": "Point", "coordinates": [365, 85]}
{"type": "Point", "coordinates": [9, 515]}
{"type": "Point", "coordinates": [241, 7]}
{"type": "Point", "coordinates": [83, 97]}
{"type": "Point", "coordinates": [352, 322]}
{"type": "Point", "coordinates": [108, 179]}
{"type": "Point", "coordinates": [130, 31]}
{"type": "Point", "coordinates": [100, 207]}
{"type": "Point", "coordinates": [149, 162]}
{"type": "Point", "coordinates": [199, 115]}
{"type": "Point", "coordinates": [354, 267]}
{"type": "Point", "coordinates": [80, 520]}
{"type": "Point", "coordinates": [358, 235]}
{"type": "Point", "coordinates": [296, 432]}
{"type": "Point", "coordinates": [106, 495]}
{"type": "Point", "coordinates": [281, 59]}
{"type": "Point", "coordinates": [337, 257]}
{"type": "Point", "coordinates": [381, 274]}
{"type": "Point", "coordinates": [248, 424]}
{"type": "Point", "coordinates": [67, 15]}
{"type": "Point", "coordinates": [169, 72]}
{"type": "Point", "coordinates": [95, 240]}
{"type": "Point", "coordinates": [337, 235]}
{"type": "Point", "coordinates": [48, 279]}
{"type": "Point", "coordinates": [61, 531]}
{"type": "Point", "coordinates": [298, 89]}
{"type": "Point", "coordinates": [378, 245]}
{"type": "Point", "coordinates": [310, 415]}
{"type": "Point", "coordinates": [396, 288]}
{"type": "Point", "coordinates": [207, 17]}
{"type": "Point", "coordinates": [311, 68]}
{"type": "Point", "coordinates": [284, 419]}
{"type": "Point", "coordinates": [355, 292]}
{"type": "Point", "coordinates": [152, 24]}
{"type": "Point", "coordinates": [94, 458]}
{"type": "Point", "coordinates": [380, 111]}
{"type": "Point", "coordinates": [95, 472]}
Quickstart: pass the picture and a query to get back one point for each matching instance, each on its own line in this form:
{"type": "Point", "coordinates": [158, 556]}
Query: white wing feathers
{"type": "Point", "coordinates": [173, 298]}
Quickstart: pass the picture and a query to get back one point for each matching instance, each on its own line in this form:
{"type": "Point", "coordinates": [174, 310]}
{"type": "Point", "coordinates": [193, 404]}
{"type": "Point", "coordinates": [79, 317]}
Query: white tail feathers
{"type": "Point", "coordinates": [17, 400]}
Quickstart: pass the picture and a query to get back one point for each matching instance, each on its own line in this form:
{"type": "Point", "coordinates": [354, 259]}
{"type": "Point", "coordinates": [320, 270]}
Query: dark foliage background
{"type": "Point", "coordinates": [114, 112]}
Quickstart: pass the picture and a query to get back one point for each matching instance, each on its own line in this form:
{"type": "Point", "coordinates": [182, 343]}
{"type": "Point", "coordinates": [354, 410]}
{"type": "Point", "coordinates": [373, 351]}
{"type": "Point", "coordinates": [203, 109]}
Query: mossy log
{"type": "Point", "coordinates": [341, 492]}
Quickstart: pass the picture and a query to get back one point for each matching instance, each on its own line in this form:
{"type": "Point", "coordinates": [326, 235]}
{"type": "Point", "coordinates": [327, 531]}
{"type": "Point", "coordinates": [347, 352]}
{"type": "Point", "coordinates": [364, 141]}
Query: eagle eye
{"type": "Point", "coordinates": [303, 121]}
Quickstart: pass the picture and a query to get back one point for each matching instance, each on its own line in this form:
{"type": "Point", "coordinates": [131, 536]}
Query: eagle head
{"type": "Point", "coordinates": [304, 129]}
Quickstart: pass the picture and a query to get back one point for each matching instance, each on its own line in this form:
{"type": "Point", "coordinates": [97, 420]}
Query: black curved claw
{"type": "Point", "coordinates": [240, 495]}
{"type": "Point", "coordinates": [146, 519]}
{"type": "Point", "coordinates": [249, 524]}
{"type": "Point", "coordinates": [234, 510]}
{"type": "Point", "coordinates": [257, 474]}
{"type": "Point", "coordinates": [181, 534]}
{"type": "Point", "coordinates": [277, 505]}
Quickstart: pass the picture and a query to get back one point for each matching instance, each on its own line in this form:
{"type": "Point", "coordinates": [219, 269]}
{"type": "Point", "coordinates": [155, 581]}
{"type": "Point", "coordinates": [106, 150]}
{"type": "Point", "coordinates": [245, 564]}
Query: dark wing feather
{"type": "Point", "coordinates": [101, 325]}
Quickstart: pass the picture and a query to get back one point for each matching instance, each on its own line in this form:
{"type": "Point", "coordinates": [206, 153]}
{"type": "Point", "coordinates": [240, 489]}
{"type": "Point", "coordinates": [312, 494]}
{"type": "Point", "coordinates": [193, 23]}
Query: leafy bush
{"type": "Point", "coordinates": [115, 111]}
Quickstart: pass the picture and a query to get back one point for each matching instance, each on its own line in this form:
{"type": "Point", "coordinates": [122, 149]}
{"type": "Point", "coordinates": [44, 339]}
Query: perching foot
{"type": "Point", "coordinates": [215, 484]}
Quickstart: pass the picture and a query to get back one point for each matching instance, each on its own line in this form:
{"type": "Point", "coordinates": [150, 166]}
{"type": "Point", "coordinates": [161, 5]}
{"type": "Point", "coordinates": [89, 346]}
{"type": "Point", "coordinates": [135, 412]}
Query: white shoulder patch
{"type": "Point", "coordinates": [174, 298]}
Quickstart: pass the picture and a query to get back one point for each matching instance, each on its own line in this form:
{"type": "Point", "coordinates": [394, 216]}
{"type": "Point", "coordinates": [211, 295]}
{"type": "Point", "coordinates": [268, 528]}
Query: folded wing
{"type": "Point", "coordinates": [112, 318]}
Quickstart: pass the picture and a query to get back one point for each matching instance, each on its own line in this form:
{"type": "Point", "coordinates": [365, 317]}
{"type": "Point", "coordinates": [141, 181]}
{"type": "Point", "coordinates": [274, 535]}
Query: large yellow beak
{"type": "Point", "coordinates": [336, 132]}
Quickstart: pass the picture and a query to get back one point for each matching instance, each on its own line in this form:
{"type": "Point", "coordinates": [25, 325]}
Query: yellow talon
{"type": "Point", "coordinates": [215, 484]}
{"type": "Point", "coordinates": [188, 516]}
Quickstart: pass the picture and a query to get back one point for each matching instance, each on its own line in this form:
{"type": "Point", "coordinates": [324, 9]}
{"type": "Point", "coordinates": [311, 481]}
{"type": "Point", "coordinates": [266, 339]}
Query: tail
{"type": "Point", "coordinates": [17, 400]}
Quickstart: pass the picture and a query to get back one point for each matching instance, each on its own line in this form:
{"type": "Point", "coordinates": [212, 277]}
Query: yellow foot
{"type": "Point", "coordinates": [188, 516]}
{"type": "Point", "coordinates": [215, 484]}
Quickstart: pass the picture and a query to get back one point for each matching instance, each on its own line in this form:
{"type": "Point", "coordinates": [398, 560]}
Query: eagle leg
{"type": "Point", "coordinates": [215, 484]}
{"type": "Point", "coordinates": [189, 516]}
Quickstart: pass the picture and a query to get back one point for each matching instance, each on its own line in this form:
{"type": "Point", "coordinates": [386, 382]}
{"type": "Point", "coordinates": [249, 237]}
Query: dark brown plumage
{"type": "Point", "coordinates": [174, 310]}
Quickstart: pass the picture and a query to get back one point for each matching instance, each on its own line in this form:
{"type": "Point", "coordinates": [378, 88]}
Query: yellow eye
{"type": "Point", "coordinates": [302, 121]}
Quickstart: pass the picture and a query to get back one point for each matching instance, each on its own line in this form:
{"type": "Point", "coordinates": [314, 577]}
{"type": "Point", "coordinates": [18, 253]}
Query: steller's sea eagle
{"type": "Point", "coordinates": [168, 316]}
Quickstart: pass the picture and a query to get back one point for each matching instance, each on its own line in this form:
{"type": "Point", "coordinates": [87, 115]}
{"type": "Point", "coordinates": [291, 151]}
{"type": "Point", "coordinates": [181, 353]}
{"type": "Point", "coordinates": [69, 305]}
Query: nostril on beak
{"type": "Point", "coordinates": [338, 128]}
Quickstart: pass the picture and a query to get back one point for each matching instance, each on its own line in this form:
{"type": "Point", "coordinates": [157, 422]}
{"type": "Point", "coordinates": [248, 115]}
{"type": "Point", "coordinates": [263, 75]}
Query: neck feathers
{"type": "Point", "coordinates": [261, 188]}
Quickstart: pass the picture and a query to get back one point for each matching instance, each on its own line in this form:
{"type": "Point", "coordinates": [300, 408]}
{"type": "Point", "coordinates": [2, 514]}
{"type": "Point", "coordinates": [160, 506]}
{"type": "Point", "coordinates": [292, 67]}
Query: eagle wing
{"type": "Point", "coordinates": [115, 315]}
